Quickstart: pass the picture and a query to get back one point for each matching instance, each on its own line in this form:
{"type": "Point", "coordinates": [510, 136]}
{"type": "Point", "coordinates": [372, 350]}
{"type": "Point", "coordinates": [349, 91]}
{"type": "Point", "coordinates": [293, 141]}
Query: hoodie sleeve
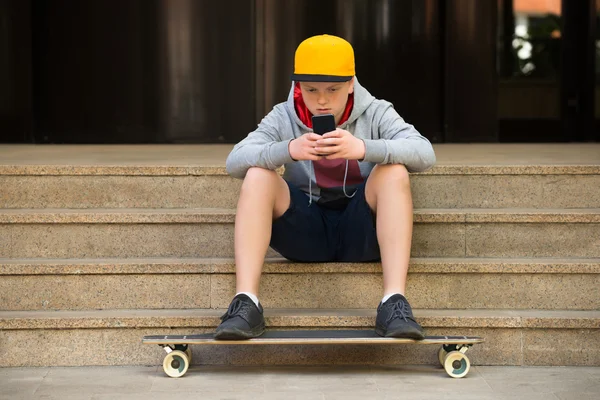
{"type": "Point", "coordinates": [399, 143]}
{"type": "Point", "coordinates": [264, 148]}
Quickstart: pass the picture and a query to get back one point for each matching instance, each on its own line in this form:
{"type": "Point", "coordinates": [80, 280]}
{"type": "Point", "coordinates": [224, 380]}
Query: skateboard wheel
{"type": "Point", "coordinates": [442, 355]}
{"type": "Point", "coordinates": [176, 364]}
{"type": "Point", "coordinates": [457, 364]}
{"type": "Point", "coordinates": [186, 349]}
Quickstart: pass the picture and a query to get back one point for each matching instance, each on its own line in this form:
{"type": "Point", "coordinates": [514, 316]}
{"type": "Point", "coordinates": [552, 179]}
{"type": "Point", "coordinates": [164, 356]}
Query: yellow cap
{"type": "Point", "coordinates": [324, 58]}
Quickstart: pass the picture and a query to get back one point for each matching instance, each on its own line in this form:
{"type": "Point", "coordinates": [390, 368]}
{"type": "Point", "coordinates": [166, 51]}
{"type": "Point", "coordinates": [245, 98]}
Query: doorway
{"type": "Point", "coordinates": [548, 71]}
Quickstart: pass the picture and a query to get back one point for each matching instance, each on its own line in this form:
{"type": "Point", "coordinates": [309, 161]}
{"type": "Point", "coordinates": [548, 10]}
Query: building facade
{"type": "Point", "coordinates": [203, 71]}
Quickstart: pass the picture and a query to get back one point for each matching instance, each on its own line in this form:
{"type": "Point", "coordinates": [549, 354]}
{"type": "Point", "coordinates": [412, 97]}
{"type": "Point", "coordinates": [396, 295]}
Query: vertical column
{"type": "Point", "coordinates": [15, 71]}
{"type": "Point", "coordinates": [470, 71]}
{"type": "Point", "coordinates": [578, 58]}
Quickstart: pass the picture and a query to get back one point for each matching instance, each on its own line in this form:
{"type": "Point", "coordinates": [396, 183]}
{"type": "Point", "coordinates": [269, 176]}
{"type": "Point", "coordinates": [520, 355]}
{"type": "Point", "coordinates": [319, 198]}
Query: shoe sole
{"type": "Point", "coordinates": [237, 334]}
{"type": "Point", "coordinates": [416, 335]}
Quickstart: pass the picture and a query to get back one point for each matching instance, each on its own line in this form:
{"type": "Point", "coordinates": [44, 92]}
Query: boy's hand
{"type": "Point", "coordinates": [341, 144]}
{"type": "Point", "coordinates": [305, 147]}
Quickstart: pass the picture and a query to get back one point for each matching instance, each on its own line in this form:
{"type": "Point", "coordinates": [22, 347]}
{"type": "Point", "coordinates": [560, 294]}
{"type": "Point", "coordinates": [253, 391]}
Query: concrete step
{"type": "Point", "coordinates": [193, 283]}
{"type": "Point", "coordinates": [444, 186]}
{"type": "Point", "coordinates": [75, 338]}
{"type": "Point", "coordinates": [60, 233]}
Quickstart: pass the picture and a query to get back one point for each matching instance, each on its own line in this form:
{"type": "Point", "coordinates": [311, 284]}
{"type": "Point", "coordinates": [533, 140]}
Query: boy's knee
{"type": "Point", "coordinates": [383, 178]}
{"type": "Point", "coordinates": [262, 178]}
{"type": "Point", "coordinates": [259, 174]}
{"type": "Point", "coordinates": [396, 173]}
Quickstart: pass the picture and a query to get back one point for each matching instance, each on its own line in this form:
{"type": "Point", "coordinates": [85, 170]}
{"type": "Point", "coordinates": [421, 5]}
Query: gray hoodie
{"type": "Point", "coordinates": [388, 140]}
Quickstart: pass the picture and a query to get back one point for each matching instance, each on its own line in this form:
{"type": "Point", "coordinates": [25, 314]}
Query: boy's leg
{"type": "Point", "coordinates": [264, 197]}
{"type": "Point", "coordinates": [388, 194]}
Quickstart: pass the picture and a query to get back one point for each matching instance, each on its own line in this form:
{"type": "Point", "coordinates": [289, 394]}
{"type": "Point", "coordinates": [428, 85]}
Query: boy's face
{"type": "Point", "coordinates": [327, 97]}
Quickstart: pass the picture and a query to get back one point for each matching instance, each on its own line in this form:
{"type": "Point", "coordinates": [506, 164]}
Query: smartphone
{"type": "Point", "coordinates": [323, 123]}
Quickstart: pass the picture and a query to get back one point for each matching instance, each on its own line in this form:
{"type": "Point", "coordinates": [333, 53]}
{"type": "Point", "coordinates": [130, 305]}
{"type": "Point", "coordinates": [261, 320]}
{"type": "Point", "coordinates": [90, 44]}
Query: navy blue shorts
{"type": "Point", "coordinates": [318, 234]}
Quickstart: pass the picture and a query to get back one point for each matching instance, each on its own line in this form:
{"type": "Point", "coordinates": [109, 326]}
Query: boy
{"type": "Point", "coordinates": [345, 196]}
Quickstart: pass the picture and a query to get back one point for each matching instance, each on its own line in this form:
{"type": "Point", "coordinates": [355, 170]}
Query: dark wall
{"type": "Point", "coordinates": [470, 71]}
{"type": "Point", "coordinates": [207, 68]}
{"type": "Point", "coordinates": [141, 71]}
{"type": "Point", "coordinates": [94, 64]}
{"type": "Point", "coordinates": [15, 72]}
{"type": "Point", "coordinates": [194, 71]}
{"type": "Point", "coordinates": [578, 55]}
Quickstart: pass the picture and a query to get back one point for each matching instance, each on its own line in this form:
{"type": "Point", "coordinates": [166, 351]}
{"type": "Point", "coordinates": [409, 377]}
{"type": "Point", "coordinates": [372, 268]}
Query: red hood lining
{"type": "Point", "coordinates": [306, 116]}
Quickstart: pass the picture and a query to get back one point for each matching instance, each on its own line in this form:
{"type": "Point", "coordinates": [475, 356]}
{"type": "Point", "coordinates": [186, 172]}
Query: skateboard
{"type": "Point", "coordinates": [451, 354]}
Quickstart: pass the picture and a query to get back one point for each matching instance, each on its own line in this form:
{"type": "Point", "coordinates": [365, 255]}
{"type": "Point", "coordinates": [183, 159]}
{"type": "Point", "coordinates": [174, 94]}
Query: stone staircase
{"type": "Point", "coordinates": [94, 256]}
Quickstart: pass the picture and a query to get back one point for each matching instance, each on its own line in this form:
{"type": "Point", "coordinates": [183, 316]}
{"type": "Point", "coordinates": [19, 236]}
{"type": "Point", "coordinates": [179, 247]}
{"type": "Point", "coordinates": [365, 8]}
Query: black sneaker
{"type": "Point", "coordinates": [395, 319]}
{"type": "Point", "coordinates": [243, 320]}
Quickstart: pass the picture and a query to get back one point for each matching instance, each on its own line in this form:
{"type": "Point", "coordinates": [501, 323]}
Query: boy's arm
{"type": "Point", "coordinates": [399, 143]}
{"type": "Point", "coordinates": [264, 148]}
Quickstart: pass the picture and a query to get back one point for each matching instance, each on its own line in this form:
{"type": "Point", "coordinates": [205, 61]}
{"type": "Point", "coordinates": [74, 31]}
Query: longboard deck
{"type": "Point", "coordinates": [309, 337]}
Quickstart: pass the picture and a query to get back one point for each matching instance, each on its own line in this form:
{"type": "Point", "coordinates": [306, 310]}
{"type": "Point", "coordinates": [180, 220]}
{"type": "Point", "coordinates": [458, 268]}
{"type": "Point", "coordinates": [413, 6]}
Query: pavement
{"type": "Point", "coordinates": [297, 382]}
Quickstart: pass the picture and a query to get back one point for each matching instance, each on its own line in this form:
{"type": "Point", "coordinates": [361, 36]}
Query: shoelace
{"type": "Point", "coordinates": [236, 307]}
{"type": "Point", "coordinates": [399, 310]}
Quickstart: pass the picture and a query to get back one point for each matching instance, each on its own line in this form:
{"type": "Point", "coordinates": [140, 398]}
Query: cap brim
{"type": "Point", "coordinates": [320, 78]}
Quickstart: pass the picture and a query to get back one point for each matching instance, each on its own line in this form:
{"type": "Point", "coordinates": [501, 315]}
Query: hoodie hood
{"type": "Point", "coordinates": [362, 101]}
